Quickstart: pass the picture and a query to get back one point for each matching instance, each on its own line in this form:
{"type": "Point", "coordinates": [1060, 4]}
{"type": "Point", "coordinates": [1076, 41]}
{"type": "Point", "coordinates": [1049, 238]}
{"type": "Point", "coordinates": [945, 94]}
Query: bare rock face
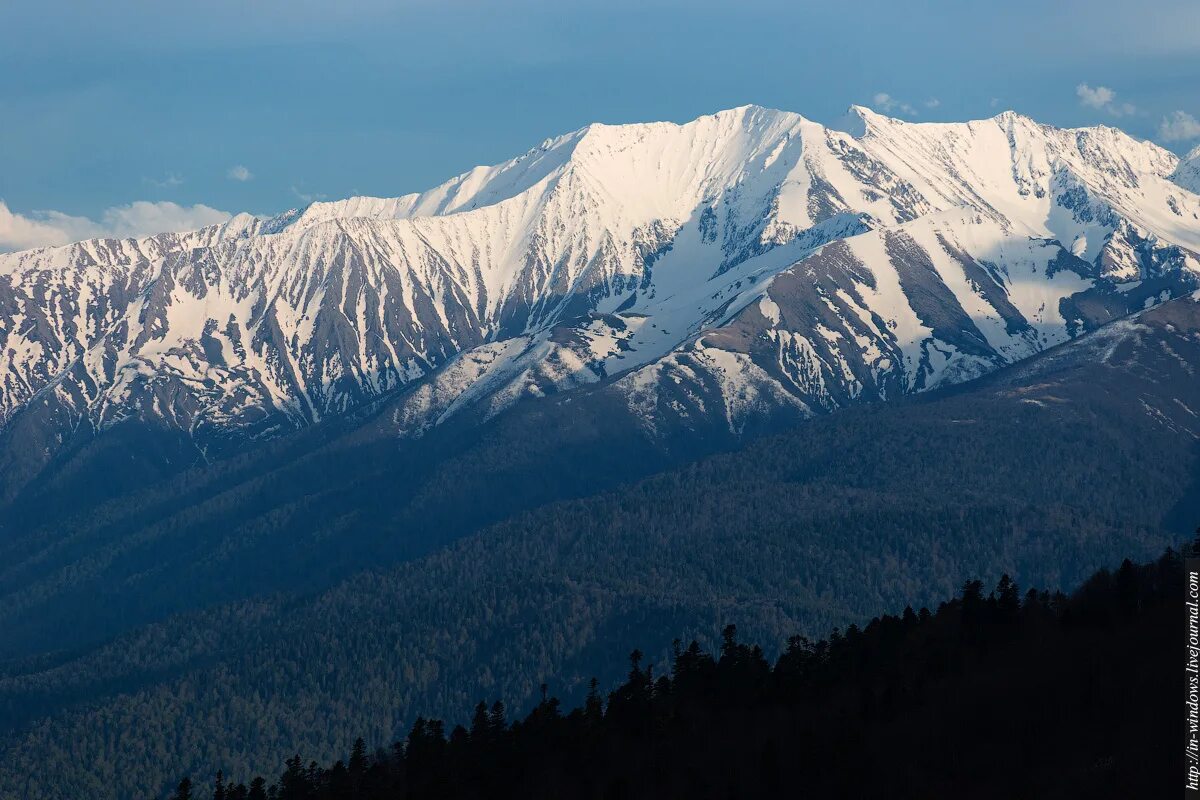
{"type": "Point", "coordinates": [745, 267]}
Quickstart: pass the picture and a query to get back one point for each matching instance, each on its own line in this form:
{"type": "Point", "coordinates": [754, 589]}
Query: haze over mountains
{"type": "Point", "coordinates": [453, 444]}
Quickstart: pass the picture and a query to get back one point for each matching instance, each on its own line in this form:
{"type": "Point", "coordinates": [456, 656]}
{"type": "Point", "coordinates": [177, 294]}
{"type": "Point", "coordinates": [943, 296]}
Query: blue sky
{"type": "Point", "coordinates": [260, 106]}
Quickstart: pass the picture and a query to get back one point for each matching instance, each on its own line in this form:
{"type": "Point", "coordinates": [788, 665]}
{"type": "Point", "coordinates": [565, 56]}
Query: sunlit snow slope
{"type": "Point", "coordinates": [743, 267]}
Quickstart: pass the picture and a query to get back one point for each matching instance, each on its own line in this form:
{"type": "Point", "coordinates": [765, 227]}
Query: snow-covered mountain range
{"type": "Point", "coordinates": [745, 267]}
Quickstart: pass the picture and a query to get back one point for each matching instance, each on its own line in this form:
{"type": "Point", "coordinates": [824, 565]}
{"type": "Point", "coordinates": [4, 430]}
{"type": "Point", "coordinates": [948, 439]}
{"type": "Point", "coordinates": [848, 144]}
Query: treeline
{"type": "Point", "coordinates": [998, 695]}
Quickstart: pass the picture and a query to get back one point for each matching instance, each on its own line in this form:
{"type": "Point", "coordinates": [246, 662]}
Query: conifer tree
{"type": "Point", "coordinates": [183, 791]}
{"type": "Point", "coordinates": [258, 789]}
{"type": "Point", "coordinates": [496, 720]}
{"type": "Point", "coordinates": [481, 725]}
{"type": "Point", "coordinates": [358, 758]}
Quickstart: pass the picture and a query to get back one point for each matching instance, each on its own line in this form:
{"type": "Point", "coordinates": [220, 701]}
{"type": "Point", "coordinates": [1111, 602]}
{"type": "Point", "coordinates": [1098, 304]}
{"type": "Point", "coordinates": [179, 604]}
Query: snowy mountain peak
{"type": "Point", "coordinates": [858, 121]}
{"type": "Point", "coordinates": [743, 264]}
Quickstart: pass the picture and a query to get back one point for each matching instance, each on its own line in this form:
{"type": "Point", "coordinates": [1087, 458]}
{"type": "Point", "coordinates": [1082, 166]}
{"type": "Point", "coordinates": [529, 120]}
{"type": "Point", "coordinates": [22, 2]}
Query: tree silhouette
{"type": "Point", "coordinates": [877, 710]}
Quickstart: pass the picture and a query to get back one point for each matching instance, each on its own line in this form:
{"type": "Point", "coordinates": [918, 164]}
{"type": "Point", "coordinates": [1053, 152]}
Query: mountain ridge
{"type": "Point", "coordinates": [649, 251]}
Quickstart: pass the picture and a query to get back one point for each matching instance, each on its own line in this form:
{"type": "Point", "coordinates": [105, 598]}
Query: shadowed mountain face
{"type": "Point", "coordinates": [1029, 471]}
{"type": "Point", "coordinates": [745, 268]}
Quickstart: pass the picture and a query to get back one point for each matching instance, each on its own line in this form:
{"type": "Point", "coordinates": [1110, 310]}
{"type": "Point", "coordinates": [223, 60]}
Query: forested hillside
{"type": "Point", "coordinates": [296, 515]}
{"type": "Point", "coordinates": [997, 696]}
{"type": "Point", "coordinates": [1029, 473]}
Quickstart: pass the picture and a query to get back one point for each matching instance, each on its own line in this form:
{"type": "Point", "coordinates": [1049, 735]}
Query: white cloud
{"type": "Point", "coordinates": [140, 218]}
{"type": "Point", "coordinates": [170, 181]}
{"type": "Point", "coordinates": [1179, 126]}
{"type": "Point", "coordinates": [309, 197]}
{"type": "Point", "coordinates": [1096, 98]}
{"type": "Point", "coordinates": [932, 102]}
{"type": "Point", "coordinates": [1104, 99]}
{"type": "Point", "coordinates": [239, 173]}
{"type": "Point", "coordinates": [995, 102]}
{"type": "Point", "coordinates": [887, 104]}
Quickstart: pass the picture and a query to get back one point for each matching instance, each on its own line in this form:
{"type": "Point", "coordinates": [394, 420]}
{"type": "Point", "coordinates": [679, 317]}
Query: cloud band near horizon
{"type": "Point", "coordinates": [139, 218]}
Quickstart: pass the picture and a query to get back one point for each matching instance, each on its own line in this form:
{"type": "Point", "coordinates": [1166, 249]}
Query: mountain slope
{"type": "Point", "coordinates": [1028, 471]}
{"type": "Point", "coordinates": [1187, 174]}
{"type": "Point", "coordinates": [743, 268]}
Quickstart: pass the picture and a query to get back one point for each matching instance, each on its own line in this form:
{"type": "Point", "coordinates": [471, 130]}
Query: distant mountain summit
{"type": "Point", "coordinates": [1187, 174]}
{"type": "Point", "coordinates": [744, 268]}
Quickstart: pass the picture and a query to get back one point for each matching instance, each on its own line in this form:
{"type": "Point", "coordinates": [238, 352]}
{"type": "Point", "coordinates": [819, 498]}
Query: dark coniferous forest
{"type": "Point", "coordinates": [998, 693]}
